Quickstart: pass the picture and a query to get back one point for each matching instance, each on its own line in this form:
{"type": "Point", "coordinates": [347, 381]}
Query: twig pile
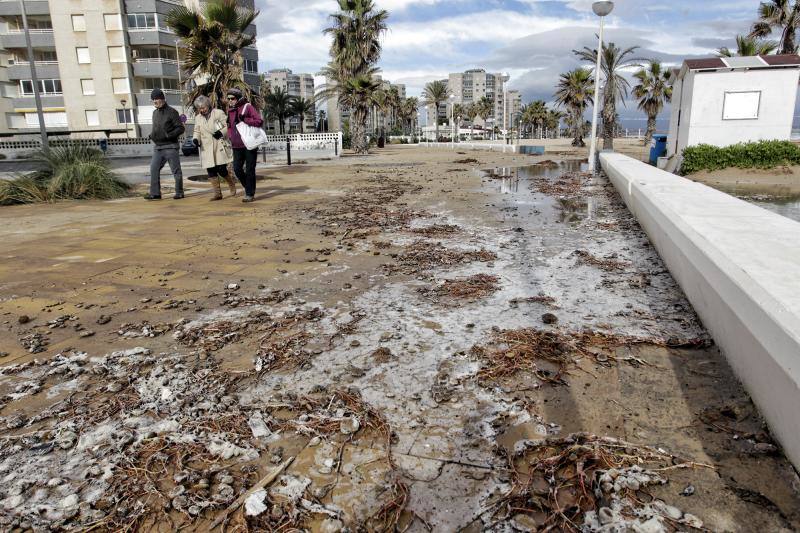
{"type": "Point", "coordinates": [512, 351]}
{"type": "Point", "coordinates": [423, 255]}
{"type": "Point", "coordinates": [469, 288]}
{"type": "Point", "coordinates": [283, 344]}
{"type": "Point", "coordinates": [569, 484]}
{"type": "Point", "coordinates": [437, 230]}
{"type": "Point", "coordinates": [569, 184]}
{"type": "Point", "coordinates": [608, 264]}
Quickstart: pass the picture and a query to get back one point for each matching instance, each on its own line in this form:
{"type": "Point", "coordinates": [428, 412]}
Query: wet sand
{"type": "Point", "coordinates": [202, 344]}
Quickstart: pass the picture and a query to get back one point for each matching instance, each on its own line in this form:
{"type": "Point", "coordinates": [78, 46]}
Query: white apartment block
{"type": "Point", "coordinates": [97, 62]}
{"type": "Point", "coordinates": [297, 86]}
{"type": "Point", "coordinates": [468, 88]}
{"type": "Point", "coordinates": [512, 107]}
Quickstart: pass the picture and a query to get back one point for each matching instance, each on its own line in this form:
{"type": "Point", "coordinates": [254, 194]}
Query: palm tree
{"type": "Point", "coordinates": [483, 109]}
{"type": "Point", "coordinates": [358, 94]}
{"type": "Point", "coordinates": [552, 121]}
{"type": "Point", "coordinates": [535, 114]}
{"type": "Point", "coordinates": [406, 112]}
{"type": "Point", "coordinates": [471, 114]}
{"type": "Point", "coordinates": [435, 93]}
{"type": "Point", "coordinates": [614, 61]}
{"type": "Point", "coordinates": [302, 107]}
{"type": "Point", "coordinates": [749, 46]}
{"type": "Point", "coordinates": [574, 92]}
{"type": "Point", "coordinates": [278, 106]}
{"type": "Point", "coordinates": [653, 91]}
{"type": "Point", "coordinates": [782, 16]}
{"type": "Point", "coordinates": [355, 49]}
{"type": "Point", "coordinates": [459, 112]}
{"type": "Point", "coordinates": [214, 37]}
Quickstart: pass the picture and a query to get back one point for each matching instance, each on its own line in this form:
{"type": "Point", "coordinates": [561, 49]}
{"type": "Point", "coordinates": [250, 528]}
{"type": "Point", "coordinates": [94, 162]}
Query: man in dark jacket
{"type": "Point", "coordinates": [167, 129]}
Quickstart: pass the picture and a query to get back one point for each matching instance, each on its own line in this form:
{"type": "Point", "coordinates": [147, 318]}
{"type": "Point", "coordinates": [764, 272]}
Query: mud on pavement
{"type": "Point", "coordinates": [389, 343]}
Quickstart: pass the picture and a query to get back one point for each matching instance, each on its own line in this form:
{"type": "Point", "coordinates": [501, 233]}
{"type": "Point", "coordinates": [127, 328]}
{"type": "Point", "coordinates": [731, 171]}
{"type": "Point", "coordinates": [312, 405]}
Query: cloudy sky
{"type": "Point", "coordinates": [530, 39]}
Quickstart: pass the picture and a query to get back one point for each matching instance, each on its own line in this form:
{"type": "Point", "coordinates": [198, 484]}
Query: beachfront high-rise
{"type": "Point", "coordinates": [97, 62]}
{"type": "Point", "coordinates": [469, 87]}
{"type": "Point", "coordinates": [297, 86]}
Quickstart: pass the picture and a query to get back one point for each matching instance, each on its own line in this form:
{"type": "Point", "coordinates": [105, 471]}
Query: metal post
{"type": "Point", "coordinates": [288, 152]}
{"type": "Point", "coordinates": [593, 145]}
{"type": "Point", "coordinates": [34, 78]}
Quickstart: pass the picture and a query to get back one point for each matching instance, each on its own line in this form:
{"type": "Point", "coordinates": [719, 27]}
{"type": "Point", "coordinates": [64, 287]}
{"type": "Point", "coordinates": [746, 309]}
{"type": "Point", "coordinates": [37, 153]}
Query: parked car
{"type": "Point", "coordinates": [188, 148]}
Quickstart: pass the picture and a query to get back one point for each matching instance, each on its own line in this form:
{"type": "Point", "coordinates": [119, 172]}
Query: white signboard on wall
{"type": "Point", "coordinates": [741, 105]}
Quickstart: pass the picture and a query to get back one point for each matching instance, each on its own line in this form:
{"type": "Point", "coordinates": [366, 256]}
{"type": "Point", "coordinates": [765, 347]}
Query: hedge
{"type": "Point", "coordinates": [762, 154]}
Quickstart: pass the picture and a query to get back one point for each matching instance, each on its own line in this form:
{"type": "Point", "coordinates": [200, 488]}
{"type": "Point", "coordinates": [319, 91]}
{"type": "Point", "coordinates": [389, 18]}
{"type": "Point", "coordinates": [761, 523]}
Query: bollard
{"type": "Point", "coordinates": [336, 148]}
{"type": "Point", "coordinates": [264, 154]}
{"type": "Point", "coordinates": [288, 152]}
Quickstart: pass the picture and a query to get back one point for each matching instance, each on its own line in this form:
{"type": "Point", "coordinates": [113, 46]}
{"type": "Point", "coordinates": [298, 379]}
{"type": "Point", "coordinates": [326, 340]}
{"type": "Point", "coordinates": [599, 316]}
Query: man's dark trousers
{"type": "Point", "coordinates": [161, 155]}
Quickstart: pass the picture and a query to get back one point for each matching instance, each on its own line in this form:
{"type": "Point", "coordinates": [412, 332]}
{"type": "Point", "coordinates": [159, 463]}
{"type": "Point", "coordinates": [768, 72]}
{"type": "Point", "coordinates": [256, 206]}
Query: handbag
{"type": "Point", "coordinates": [252, 137]}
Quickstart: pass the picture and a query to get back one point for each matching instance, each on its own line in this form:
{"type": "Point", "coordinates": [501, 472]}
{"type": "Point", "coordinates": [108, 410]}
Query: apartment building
{"type": "Point", "coordinates": [377, 119]}
{"type": "Point", "coordinates": [512, 107]}
{"type": "Point", "coordinates": [297, 86]}
{"type": "Point", "coordinates": [469, 87]}
{"type": "Point", "coordinates": [97, 62]}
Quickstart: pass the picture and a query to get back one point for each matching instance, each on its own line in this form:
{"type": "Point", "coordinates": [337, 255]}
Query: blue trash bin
{"type": "Point", "coordinates": [658, 148]}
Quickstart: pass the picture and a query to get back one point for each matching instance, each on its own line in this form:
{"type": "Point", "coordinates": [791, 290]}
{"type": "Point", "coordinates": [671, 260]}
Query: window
{"type": "Point", "coordinates": [88, 87]}
{"type": "Point", "coordinates": [121, 85]}
{"type": "Point", "coordinates": [50, 119]}
{"type": "Point", "coordinates": [141, 21]}
{"type": "Point", "coordinates": [46, 87]}
{"type": "Point", "coordinates": [83, 56]}
{"type": "Point", "coordinates": [741, 105]}
{"type": "Point", "coordinates": [113, 21]}
{"type": "Point", "coordinates": [125, 116]}
{"type": "Point", "coordinates": [93, 118]}
{"type": "Point", "coordinates": [78, 23]}
{"type": "Point", "coordinates": [116, 54]}
{"type": "Point", "coordinates": [252, 66]}
{"type": "Point", "coordinates": [166, 84]}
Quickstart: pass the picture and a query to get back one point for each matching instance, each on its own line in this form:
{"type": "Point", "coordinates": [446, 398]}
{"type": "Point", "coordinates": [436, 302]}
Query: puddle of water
{"type": "Point", "coordinates": [779, 199]}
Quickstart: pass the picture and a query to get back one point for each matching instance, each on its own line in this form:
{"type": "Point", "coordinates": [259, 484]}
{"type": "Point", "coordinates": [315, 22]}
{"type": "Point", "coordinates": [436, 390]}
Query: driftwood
{"type": "Point", "coordinates": [258, 486]}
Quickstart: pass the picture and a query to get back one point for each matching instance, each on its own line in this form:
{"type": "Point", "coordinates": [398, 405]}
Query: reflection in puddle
{"type": "Point", "coordinates": [579, 209]}
{"type": "Point", "coordinates": [779, 199]}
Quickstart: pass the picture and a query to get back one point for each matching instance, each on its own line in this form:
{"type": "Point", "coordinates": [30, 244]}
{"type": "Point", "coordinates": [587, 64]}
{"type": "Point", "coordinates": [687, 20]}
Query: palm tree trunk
{"type": "Point", "coordinates": [651, 129]}
{"type": "Point", "coordinates": [436, 118]}
{"type": "Point", "coordinates": [609, 116]}
{"type": "Point", "coordinates": [358, 128]}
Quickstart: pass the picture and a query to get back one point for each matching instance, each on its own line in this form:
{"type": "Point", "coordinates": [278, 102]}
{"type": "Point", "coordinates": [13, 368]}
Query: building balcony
{"type": "Point", "coordinates": [155, 68]}
{"type": "Point", "coordinates": [152, 37]}
{"type": "Point", "coordinates": [251, 78]}
{"type": "Point", "coordinates": [174, 98]}
{"type": "Point", "coordinates": [32, 7]}
{"type": "Point", "coordinates": [44, 70]}
{"type": "Point", "coordinates": [16, 39]}
{"type": "Point", "coordinates": [29, 102]}
{"type": "Point", "coordinates": [152, 6]}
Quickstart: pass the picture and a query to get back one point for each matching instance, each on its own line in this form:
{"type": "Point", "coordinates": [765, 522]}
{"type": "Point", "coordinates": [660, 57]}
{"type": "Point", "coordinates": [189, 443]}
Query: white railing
{"type": "Point", "coordinates": [28, 63]}
{"type": "Point", "coordinates": [304, 142]}
{"type": "Point", "coordinates": [142, 30]}
{"type": "Point", "coordinates": [35, 31]}
{"type": "Point", "coordinates": [156, 60]}
{"type": "Point", "coordinates": [166, 91]}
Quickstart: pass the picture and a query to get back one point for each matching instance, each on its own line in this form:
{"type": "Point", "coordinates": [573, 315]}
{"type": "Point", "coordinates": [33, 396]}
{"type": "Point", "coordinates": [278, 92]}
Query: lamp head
{"type": "Point", "coordinates": [602, 9]}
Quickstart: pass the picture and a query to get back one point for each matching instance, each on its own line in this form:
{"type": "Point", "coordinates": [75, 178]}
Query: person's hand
{"type": "Point", "coordinates": [196, 143]}
{"type": "Point", "coordinates": [217, 134]}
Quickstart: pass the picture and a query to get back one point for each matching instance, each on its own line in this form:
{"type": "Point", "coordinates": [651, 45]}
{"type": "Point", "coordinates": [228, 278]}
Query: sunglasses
{"type": "Point", "coordinates": [232, 98]}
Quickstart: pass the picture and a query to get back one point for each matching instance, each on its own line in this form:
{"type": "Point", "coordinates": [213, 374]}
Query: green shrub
{"type": "Point", "coordinates": [71, 172]}
{"type": "Point", "coordinates": [762, 154]}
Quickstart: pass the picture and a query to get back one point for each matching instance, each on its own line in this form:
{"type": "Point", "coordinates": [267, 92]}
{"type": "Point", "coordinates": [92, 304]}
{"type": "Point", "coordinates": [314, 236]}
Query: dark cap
{"type": "Point", "coordinates": [235, 92]}
{"type": "Point", "coordinates": [157, 94]}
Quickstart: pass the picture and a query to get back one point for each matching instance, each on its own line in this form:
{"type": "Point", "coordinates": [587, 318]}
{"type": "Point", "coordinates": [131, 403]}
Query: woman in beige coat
{"type": "Point", "coordinates": [210, 130]}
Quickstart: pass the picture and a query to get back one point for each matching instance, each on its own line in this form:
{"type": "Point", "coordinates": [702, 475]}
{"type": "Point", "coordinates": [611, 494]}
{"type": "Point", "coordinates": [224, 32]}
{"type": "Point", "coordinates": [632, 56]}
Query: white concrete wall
{"type": "Point", "coordinates": [739, 265]}
{"type": "Point", "coordinates": [703, 100]}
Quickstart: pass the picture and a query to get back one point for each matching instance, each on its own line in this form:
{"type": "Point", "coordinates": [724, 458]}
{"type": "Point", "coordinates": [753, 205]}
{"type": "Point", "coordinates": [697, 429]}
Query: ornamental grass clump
{"type": "Point", "coordinates": [70, 172]}
{"type": "Point", "coordinates": [762, 154]}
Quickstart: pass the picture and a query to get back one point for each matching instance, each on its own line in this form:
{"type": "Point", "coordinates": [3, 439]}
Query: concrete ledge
{"type": "Point", "coordinates": [739, 266]}
{"type": "Point", "coordinates": [504, 148]}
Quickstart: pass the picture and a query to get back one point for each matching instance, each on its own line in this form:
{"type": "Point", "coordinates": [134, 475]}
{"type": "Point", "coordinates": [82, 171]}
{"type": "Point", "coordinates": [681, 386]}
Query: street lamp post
{"type": "Point", "coordinates": [452, 119]}
{"type": "Point", "coordinates": [602, 10]}
{"type": "Point", "coordinates": [34, 78]}
{"type": "Point", "coordinates": [125, 117]}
